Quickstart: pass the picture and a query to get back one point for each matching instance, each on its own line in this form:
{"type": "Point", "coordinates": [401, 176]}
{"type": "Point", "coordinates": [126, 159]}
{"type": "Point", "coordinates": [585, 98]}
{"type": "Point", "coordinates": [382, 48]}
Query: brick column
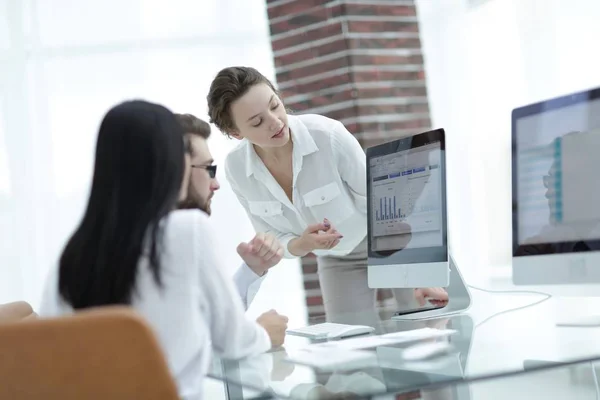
{"type": "Point", "coordinates": [358, 61]}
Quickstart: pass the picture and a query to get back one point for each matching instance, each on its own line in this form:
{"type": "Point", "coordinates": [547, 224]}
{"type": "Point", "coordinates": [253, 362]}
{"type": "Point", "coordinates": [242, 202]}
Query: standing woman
{"type": "Point", "coordinates": [132, 248]}
{"type": "Point", "coordinates": [302, 178]}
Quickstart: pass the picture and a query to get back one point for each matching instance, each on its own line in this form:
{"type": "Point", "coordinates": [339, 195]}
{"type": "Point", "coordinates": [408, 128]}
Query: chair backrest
{"type": "Point", "coordinates": [16, 311]}
{"type": "Point", "coordinates": [106, 353]}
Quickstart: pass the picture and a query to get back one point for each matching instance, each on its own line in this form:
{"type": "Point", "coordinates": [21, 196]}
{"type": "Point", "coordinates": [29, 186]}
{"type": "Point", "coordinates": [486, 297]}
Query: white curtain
{"type": "Point", "coordinates": [63, 63]}
{"type": "Point", "coordinates": [482, 59]}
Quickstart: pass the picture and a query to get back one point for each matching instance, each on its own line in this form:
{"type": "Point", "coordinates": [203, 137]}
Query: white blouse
{"type": "Point", "coordinates": [198, 307]}
{"type": "Point", "coordinates": [329, 181]}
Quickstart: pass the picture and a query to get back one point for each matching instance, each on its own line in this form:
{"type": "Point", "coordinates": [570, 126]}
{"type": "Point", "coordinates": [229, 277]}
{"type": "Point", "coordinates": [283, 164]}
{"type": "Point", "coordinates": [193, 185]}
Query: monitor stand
{"type": "Point", "coordinates": [397, 374]}
{"type": "Point", "coordinates": [459, 299]}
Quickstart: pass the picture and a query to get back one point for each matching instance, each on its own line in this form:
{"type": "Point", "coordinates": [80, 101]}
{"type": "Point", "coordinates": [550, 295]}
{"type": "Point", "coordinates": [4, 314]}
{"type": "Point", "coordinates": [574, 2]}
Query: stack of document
{"type": "Point", "coordinates": [351, 354]}
{"type": "Point", "coordinates": [368, 342]}
{"type": "Point", "coordinates": [333, 359]}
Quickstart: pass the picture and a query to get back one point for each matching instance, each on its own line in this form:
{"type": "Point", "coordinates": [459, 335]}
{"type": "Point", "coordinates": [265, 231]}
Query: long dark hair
{"type": "Point", "coordinates": [138, 173]}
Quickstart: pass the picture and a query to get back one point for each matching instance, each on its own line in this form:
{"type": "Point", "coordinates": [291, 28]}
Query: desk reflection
{"type": "Point", "coordinates": [270, 372]}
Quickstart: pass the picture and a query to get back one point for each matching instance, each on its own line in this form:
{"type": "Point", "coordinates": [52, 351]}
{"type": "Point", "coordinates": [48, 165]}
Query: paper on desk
{"type": "Point", "coordinates": [366, 342]}
{"type": "Point", "coordinates": [331, 358]}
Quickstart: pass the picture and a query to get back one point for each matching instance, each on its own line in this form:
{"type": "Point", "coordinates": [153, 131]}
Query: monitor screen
{"type": "Point", "coordinates": [556, 178]}
{"type": "Point", "coordinates": [406, 199]}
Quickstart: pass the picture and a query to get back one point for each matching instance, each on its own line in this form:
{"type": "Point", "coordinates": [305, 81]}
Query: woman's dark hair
{"type": "Point", "coordinates": [228, 86]}
{"type": "Point", "coordinates": [138, 174]}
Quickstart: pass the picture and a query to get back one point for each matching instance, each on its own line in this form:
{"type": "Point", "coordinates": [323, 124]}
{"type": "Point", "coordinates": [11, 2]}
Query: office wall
{"type": "Point", "coordinates": [62, 65]}
{"type": "Point", "coordinates": [482, 59]}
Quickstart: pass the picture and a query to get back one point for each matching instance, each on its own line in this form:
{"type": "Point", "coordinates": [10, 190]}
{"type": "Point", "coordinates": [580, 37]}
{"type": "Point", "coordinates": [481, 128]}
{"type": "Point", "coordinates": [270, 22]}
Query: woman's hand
{"type": "Point", "coordinates": [320, 236]}
{"type": "Point", "coordinates": [436, 296]}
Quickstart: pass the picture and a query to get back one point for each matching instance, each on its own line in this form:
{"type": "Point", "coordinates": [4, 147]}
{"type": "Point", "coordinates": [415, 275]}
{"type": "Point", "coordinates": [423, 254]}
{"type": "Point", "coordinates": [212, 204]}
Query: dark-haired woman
{"type": "Point", "coordinates": [132, 248]}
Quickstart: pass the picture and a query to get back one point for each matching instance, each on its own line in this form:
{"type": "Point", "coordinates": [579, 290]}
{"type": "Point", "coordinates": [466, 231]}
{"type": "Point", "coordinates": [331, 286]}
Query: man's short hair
{"type": "Point", "coordinates": [193, 125]}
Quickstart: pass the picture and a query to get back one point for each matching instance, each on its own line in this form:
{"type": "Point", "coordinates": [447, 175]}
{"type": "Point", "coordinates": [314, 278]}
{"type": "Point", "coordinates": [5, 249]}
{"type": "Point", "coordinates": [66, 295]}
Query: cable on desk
{"type": "Point", "coordinates": [510, 291]}
{"type": "Point", "coordinates": [595, 375]}
{"type": "Point", "coordinates": [513, 309]}
{"type": "Point", "coordinates": [546, 297]}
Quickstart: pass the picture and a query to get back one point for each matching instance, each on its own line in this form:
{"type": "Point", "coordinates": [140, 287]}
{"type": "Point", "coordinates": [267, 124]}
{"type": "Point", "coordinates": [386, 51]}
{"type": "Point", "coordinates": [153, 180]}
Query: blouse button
{"type": "Point", "coordinates": [322, 197]}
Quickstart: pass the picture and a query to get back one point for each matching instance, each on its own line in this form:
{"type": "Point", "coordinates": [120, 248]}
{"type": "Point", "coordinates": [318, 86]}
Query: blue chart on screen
{"type": "Point", "coordinates": [405, 190]}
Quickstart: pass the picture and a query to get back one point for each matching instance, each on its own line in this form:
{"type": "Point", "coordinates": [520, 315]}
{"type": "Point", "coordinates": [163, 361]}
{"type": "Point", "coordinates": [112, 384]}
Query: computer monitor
{"type": "Point", "coordinates": [407, 222]}
{"type": "Point", "coordinates": [556, 191]}
{"type": "Point", "coordinates": [406, 202]}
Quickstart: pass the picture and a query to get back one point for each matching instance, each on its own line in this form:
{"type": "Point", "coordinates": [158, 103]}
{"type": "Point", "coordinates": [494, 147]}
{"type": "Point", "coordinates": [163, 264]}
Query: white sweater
{"type": "Point", "coordinates": [197, 307]}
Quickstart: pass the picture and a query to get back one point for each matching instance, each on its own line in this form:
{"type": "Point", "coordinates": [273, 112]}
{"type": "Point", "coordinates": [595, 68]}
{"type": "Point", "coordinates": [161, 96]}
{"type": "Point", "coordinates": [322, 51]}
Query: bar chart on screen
{"type": "Point", "coordinates": [406, 201]}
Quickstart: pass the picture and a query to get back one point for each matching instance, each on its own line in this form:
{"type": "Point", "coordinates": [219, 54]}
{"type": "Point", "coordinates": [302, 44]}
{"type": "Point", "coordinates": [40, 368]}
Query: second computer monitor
{"type": "Point", "coordinates": [406, 200]}
{"type": "Point", "coordinates": [556, 191]}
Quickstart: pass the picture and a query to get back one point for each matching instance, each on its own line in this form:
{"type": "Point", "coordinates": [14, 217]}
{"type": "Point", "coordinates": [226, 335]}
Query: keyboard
{"type": "Point", "coordinates": [329, 330]}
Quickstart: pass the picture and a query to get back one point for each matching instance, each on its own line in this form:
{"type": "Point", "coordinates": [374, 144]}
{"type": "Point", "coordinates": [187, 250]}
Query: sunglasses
{"type": "Point", "coordinates": [212, 169]}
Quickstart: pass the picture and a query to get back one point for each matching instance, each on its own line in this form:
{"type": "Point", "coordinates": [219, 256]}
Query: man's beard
{"type": "Point", "coordinates": [195, 202]}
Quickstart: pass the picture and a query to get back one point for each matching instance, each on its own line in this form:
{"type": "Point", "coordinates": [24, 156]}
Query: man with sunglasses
{"type": "Point", "coordinates": [264, 250]}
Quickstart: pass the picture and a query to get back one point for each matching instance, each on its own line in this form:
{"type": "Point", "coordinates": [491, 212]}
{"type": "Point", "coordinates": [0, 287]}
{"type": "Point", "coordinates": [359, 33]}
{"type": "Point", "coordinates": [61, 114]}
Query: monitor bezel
{"type": "Point", "coordinates": [417, 255]}
{"type": "Point", "coordinates": [529, 110]}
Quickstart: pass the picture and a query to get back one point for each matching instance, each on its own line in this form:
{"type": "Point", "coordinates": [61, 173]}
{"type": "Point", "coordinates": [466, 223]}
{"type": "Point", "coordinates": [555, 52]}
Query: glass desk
{"type": "Point", "coordinates": [505, 348]}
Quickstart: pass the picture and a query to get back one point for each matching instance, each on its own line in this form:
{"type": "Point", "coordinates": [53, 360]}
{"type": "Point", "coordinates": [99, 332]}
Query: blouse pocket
{"type": "Point", "coordinates": [272, 213]}
{"type": "Point", "coordinates": [329, 202]}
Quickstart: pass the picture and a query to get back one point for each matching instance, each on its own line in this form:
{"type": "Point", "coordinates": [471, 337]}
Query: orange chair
{"type": "Point", "coordinates": [106, 353]}
{"type": "Point", "coordinates": [16, 311]}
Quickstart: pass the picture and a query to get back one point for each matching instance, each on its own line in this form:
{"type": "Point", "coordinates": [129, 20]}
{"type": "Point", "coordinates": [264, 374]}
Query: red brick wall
{"type": "Point", "coordinates": [358, 61]}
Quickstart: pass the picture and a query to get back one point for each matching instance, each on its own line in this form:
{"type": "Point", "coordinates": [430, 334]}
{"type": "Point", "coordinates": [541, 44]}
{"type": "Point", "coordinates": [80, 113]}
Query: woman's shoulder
{"type": "Point", "coordinates": [51, 302]}
{"type": "Point", "coordinates": [236, 157]}
{"type": "Point", "coordinates": [323, 130]}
